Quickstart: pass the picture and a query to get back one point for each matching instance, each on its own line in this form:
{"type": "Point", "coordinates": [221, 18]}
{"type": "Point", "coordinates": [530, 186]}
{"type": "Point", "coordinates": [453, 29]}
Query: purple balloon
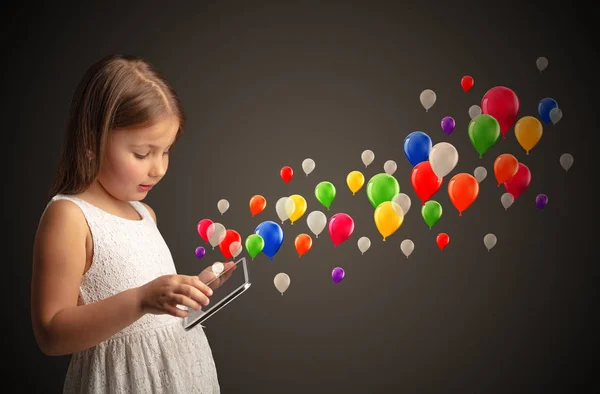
{"type": "Point", "coordinates": [200, 252]}
{"type": "Point", "coordinates": [448, 124]}
{"type": "Point", "coordinates": [337, 274]}
{"type": "Point", "coordinates": [541, 200]}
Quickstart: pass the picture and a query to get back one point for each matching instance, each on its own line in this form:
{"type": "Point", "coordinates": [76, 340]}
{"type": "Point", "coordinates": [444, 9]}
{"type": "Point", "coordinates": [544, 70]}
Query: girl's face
{"type": "Point", "coordinates": [137, 159]}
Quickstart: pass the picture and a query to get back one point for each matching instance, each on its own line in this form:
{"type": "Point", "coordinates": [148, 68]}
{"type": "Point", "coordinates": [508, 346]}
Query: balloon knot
{"type": "Point", "coordinates": [460, 214]}
{"type": "Point", "coordinates": [384, 238]}
{"type": "Point", "coordinates": [503, 136]}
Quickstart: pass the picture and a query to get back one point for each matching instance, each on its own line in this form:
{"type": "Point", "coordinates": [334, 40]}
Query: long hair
{"type": "Point", "coordinates": [118, 91]}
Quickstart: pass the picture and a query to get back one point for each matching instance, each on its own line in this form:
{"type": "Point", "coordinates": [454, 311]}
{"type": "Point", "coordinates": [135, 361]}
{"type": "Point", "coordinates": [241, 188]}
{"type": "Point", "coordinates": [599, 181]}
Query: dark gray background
{"type": "Point", "coordinates": [266, 86]}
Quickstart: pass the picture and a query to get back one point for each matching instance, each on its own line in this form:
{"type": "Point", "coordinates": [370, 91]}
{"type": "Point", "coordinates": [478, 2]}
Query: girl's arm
{"type": "Point", "coordinates": [60, 326]}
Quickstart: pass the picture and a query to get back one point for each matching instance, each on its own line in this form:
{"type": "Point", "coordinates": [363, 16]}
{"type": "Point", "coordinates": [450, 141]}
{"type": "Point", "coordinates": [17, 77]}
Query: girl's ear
{"type": "Point", "coordinates": [90, 155]}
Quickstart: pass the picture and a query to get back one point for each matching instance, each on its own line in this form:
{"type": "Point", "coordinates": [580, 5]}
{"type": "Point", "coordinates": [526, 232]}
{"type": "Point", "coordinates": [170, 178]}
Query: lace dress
{"type": "Point", "coordinates": [155, 354]}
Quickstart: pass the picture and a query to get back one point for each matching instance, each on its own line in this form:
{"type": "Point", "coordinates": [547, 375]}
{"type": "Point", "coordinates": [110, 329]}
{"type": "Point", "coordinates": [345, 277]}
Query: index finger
{"type": "Point", "coordinates": [197, 283]}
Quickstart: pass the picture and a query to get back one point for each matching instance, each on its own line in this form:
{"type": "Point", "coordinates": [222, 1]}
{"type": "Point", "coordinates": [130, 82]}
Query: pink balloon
{"type": "Point", "coordinates": [202, 227]}
{"type": "Point", "coordinates": [341, 227]}
{"type": "Point", "coordinates": [519, 182]}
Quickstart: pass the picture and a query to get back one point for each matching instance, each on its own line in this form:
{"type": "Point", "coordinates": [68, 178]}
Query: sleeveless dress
{"type": "Point", "coordinates": [155, 354]}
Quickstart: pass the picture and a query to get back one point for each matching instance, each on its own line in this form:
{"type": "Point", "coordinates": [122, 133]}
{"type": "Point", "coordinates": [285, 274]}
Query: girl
{"type": "Point", "coordinates": [104, 286]}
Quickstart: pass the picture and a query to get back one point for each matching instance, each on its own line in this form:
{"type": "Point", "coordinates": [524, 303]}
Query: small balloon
{"type": "Point", "coordinates": [390, 167]}
{"type": "Point", "coordinates": [555, 115]}
{"type": "Point", "coordinates": [254, 245]}
{"type": "Point", "coordinates": [541, 63]}
{"type": "Point", "coordinates": [528, 131]}
{"type": "Point", "coordinates": [541, 200]}
{"type": "Point", "coordinates": [463, 190]}
{"type": "Point", "coordinates": [303, 243]}
{"type": "Point", "coordinates": [467, 82]}
{"type": "Point", "coordinates": [428, 98]}
{"type": "Point", "coordinates": [337, 274]}
{"type": "Point", "coordinates": [480, 174]}
{"type": "Point", "coordinates": [442, 240]}
{"type": "Point", "coordinates": [235, 249]}
{"type": "Point", "coordinates": [364, 243]}
{"type": "Point", "coordinates": [387, 219]}
{"type": "Point", "coordinates": [355, 180]}
{"type": "Point", "coordinates": [257, 204]}
{"type": "Point", "coordinates": [443, 158]}
{"type": "Point", "coordinates": [272, 235]}
{"type": "Point", "coordinates": [231, 236]}
{"type": "Point", "coordinates": [325, 193]}
{"type": "Point", "coordinates": [217, 268]}
{"type": "Point", "coordinates": [448, 124]}
{"type": "Point", "coordinates": [505, 167]}
{"type": "Point", "coordinates": [566, 161]}
{"type": "Point", "coordinates": [282, 282]}
{"type": "Point", "coordinates": [216, 234]}
{"type": "Point", "coordinates": [424, 181]}
{"type": "Point", "coordinates": [507, 200]}
{"type": "Point", "coordinates": [200, 252]}
{"type": "Point", "coordinates": [518, 183]}
{"type": "Point", "coordinates": [417, 147]}
{"type": "Point", "coordinates": [502, 104]}
{"type": "Point", "coordinates": [407, 246]}
{"type": "Point", "coordinates": [489, 240]}
{"type": "Point", "coordinates": [202, 228]}
{"type": "Point", "coordinates": [544, 107]}
{"type": "Point", "coordinates": [299, 207]}
{"type": "Point", "coordinates": [431, 212]}
{"type": "Point", "coordinates": [367, 157]}
{"type": "Point", "coordinates": [382, 187]}
{"type": "Point", "coordinates": [484, 132]}
{"type": "Point", "coordinates": [474, 111]}
{"type": "Point", "coordinates": [286, 173]}
{"type": "Point", "coordinates": [341, 227]}
{"type": "Point", "coordinates": [308, 165]}
{"type": "Point", "coordinates": [316, 221]}
{"type": "Point", "coordinates": [403, 202]}
{"type": "Point", "coordinates": [223, 206]}
{"type": "Point", "coordinates": [284, 207]}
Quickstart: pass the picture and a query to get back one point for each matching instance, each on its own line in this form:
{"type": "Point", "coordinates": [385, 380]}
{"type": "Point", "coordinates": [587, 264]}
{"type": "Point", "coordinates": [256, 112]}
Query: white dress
{"type": "Point", "coordinates": [155, 354]}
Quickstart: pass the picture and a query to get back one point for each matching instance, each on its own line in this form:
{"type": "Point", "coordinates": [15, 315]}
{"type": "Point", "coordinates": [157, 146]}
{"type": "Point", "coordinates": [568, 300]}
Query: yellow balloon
{"type": "Point", "coordinates": [528, 131]}
{"type": "Point", "coordinates": [355, 181]}
{"type": "Point", "coordinates": [299, 207]}
{"type": "Point", "coordinates": [388, 218]}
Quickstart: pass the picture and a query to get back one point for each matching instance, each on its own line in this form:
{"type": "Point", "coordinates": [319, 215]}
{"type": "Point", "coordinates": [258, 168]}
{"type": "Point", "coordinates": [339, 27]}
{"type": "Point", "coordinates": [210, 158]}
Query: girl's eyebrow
{"type": "Point", "coordinates": [146, 145]}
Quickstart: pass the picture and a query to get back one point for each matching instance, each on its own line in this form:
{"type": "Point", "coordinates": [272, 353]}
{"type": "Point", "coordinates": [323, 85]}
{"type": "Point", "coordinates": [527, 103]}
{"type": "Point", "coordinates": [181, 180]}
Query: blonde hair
{"type": "Point", "coordinates": [118, 91]}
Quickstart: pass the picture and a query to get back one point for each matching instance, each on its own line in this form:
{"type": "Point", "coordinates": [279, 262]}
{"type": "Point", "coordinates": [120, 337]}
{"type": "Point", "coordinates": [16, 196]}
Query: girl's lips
{"type": "Point", "coordinates": [145, 187]}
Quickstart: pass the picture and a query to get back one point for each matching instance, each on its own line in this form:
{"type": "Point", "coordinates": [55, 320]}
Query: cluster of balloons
{"type": "Point", "coordinates": [287, 173]}
{"type": "Point", "coordinates": [229, 241]}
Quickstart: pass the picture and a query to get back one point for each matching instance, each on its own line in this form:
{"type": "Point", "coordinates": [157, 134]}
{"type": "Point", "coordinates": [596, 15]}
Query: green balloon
{"type": "Point", "coordinates": [254, 245]}
{"type": "Point", "coordinates": [431, 212]}
{"type": "Point", "coordinates": [325, 193]}
{"type": "Point", "coordinates": [382, 187]}
{"type": "Point", "coordinates": [484, 132]}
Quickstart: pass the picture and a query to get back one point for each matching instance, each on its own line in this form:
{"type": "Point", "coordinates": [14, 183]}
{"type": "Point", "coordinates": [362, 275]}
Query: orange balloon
{"type": "Point", "coordinates": [463, 189]}
{"type": "Point", "coordinates": [505, 167]}
{"type": "Point", "coordinates": [303, 244]}
{"type": "Point", "coordinates": [257, 204]}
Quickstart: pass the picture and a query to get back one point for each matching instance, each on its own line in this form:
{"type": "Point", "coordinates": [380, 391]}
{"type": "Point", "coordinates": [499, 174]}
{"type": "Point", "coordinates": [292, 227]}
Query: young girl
{"type": "Point", "coordinates": [104, 286]}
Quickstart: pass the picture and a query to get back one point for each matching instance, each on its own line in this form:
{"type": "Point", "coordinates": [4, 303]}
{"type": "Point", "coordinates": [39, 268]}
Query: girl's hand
{"type": "Point", "coordinates": [208, 276]}
{"type": "Point", "coordinates": [163, 294]}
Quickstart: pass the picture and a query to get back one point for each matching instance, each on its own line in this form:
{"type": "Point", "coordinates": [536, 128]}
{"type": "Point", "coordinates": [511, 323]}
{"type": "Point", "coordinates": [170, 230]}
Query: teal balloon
{"type": "Point", "coordinates": [325, 193]}
{"type": "Point", "coordinates": [382, 187]}
{"type": "Point", "coordinates": [431, 212]}
{"type": "Point", "coordinates": [484, 132]}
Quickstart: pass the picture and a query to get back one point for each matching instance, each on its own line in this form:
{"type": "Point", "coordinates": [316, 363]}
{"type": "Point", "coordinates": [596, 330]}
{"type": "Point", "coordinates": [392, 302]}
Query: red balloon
{"type": "Point", "coordinates": [286, 173]}
{"type": "Point", "coordinates": [425, 182]}
{"type": "Point", "coordinates": [519, 182]}
{"type": "Point", "coordinates": [466, 82]}
{"type": "Point", "coordinates": [442, 240]}
{"type": "Point", "coordinates": [231, 236]}
{"type": "Point", "coordinates": [463, 190]}
{"type": "Point", "coordinates": [341, 227]}
{"type": "Point", "coordinates": [503, 104]}
{"type": "Point", "coordinates": [202, 226]}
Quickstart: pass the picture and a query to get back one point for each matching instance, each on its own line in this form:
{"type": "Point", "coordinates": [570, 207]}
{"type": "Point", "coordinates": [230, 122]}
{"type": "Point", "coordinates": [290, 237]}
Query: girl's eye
{"type": "Point", "coordinates": [141, 156]}
{"type": "Point", "coordinates": [166, 153]}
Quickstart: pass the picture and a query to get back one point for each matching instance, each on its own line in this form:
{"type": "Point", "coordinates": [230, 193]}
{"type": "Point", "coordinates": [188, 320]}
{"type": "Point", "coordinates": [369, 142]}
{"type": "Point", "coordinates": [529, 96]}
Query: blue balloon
{"type": "Point", "coordinates": [417, 146]}
{"type": "Point", "coordinates": [272, 234]}
{"type": "Point", "coordinates": [544, 107]}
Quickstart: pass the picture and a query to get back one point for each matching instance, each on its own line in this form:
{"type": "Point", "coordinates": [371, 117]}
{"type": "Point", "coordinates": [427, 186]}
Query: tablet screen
{"type": "Point", "coordinates": [222, 293]}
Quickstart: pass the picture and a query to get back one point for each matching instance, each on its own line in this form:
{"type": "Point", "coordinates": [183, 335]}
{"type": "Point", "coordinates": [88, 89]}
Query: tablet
{"type": "Point", "coordinates": [238, 282]}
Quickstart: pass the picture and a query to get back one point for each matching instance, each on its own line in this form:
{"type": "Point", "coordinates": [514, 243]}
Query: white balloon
{"type": "Point", "coordinates": [364, 244]}
{"type": "Point", "coordinates": [428, 98]}
{"type": "Point", "coordinates": [282, 282]}
{"type": "Point", "coordinates": [480, 174]}
{"type": "Point", "coordinates": [490, 241]}
{"type": "Point", "coordinates": [555, 115]}
{"type": "Point", "coordinates": [474, 111]}
{"type": "Point", "coordinates": [367, 157]}
{"type": "Point", "coordinates": [308, 165]}
{"type": "Point", "coordinates": [223, 206]}
{"type": "Point", "coordinates": [403, 201]}
{"type": "Point", "coordinates": [316, 221]}
{"type": "Point", "coordinates": [216, 234]}
{"type": "Point", "coordinates": [218, 268]}
{"type": "Point", "coordinates": [285, 207]}
{"type": "Point", "coordinates": [443, 158]}
{"type": "Point", "coordinates": [407, 246]}
{"type": "Point", "coordinates": [235, 249]}
{"type": "Point", "coordinates": [507, 200]}
{"type": "Point", "coordinates": [390, 167]}
{"type": "Point", "coordinates": [566, 161]}
{"type": "Point", "coordinates": [541, 63]}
